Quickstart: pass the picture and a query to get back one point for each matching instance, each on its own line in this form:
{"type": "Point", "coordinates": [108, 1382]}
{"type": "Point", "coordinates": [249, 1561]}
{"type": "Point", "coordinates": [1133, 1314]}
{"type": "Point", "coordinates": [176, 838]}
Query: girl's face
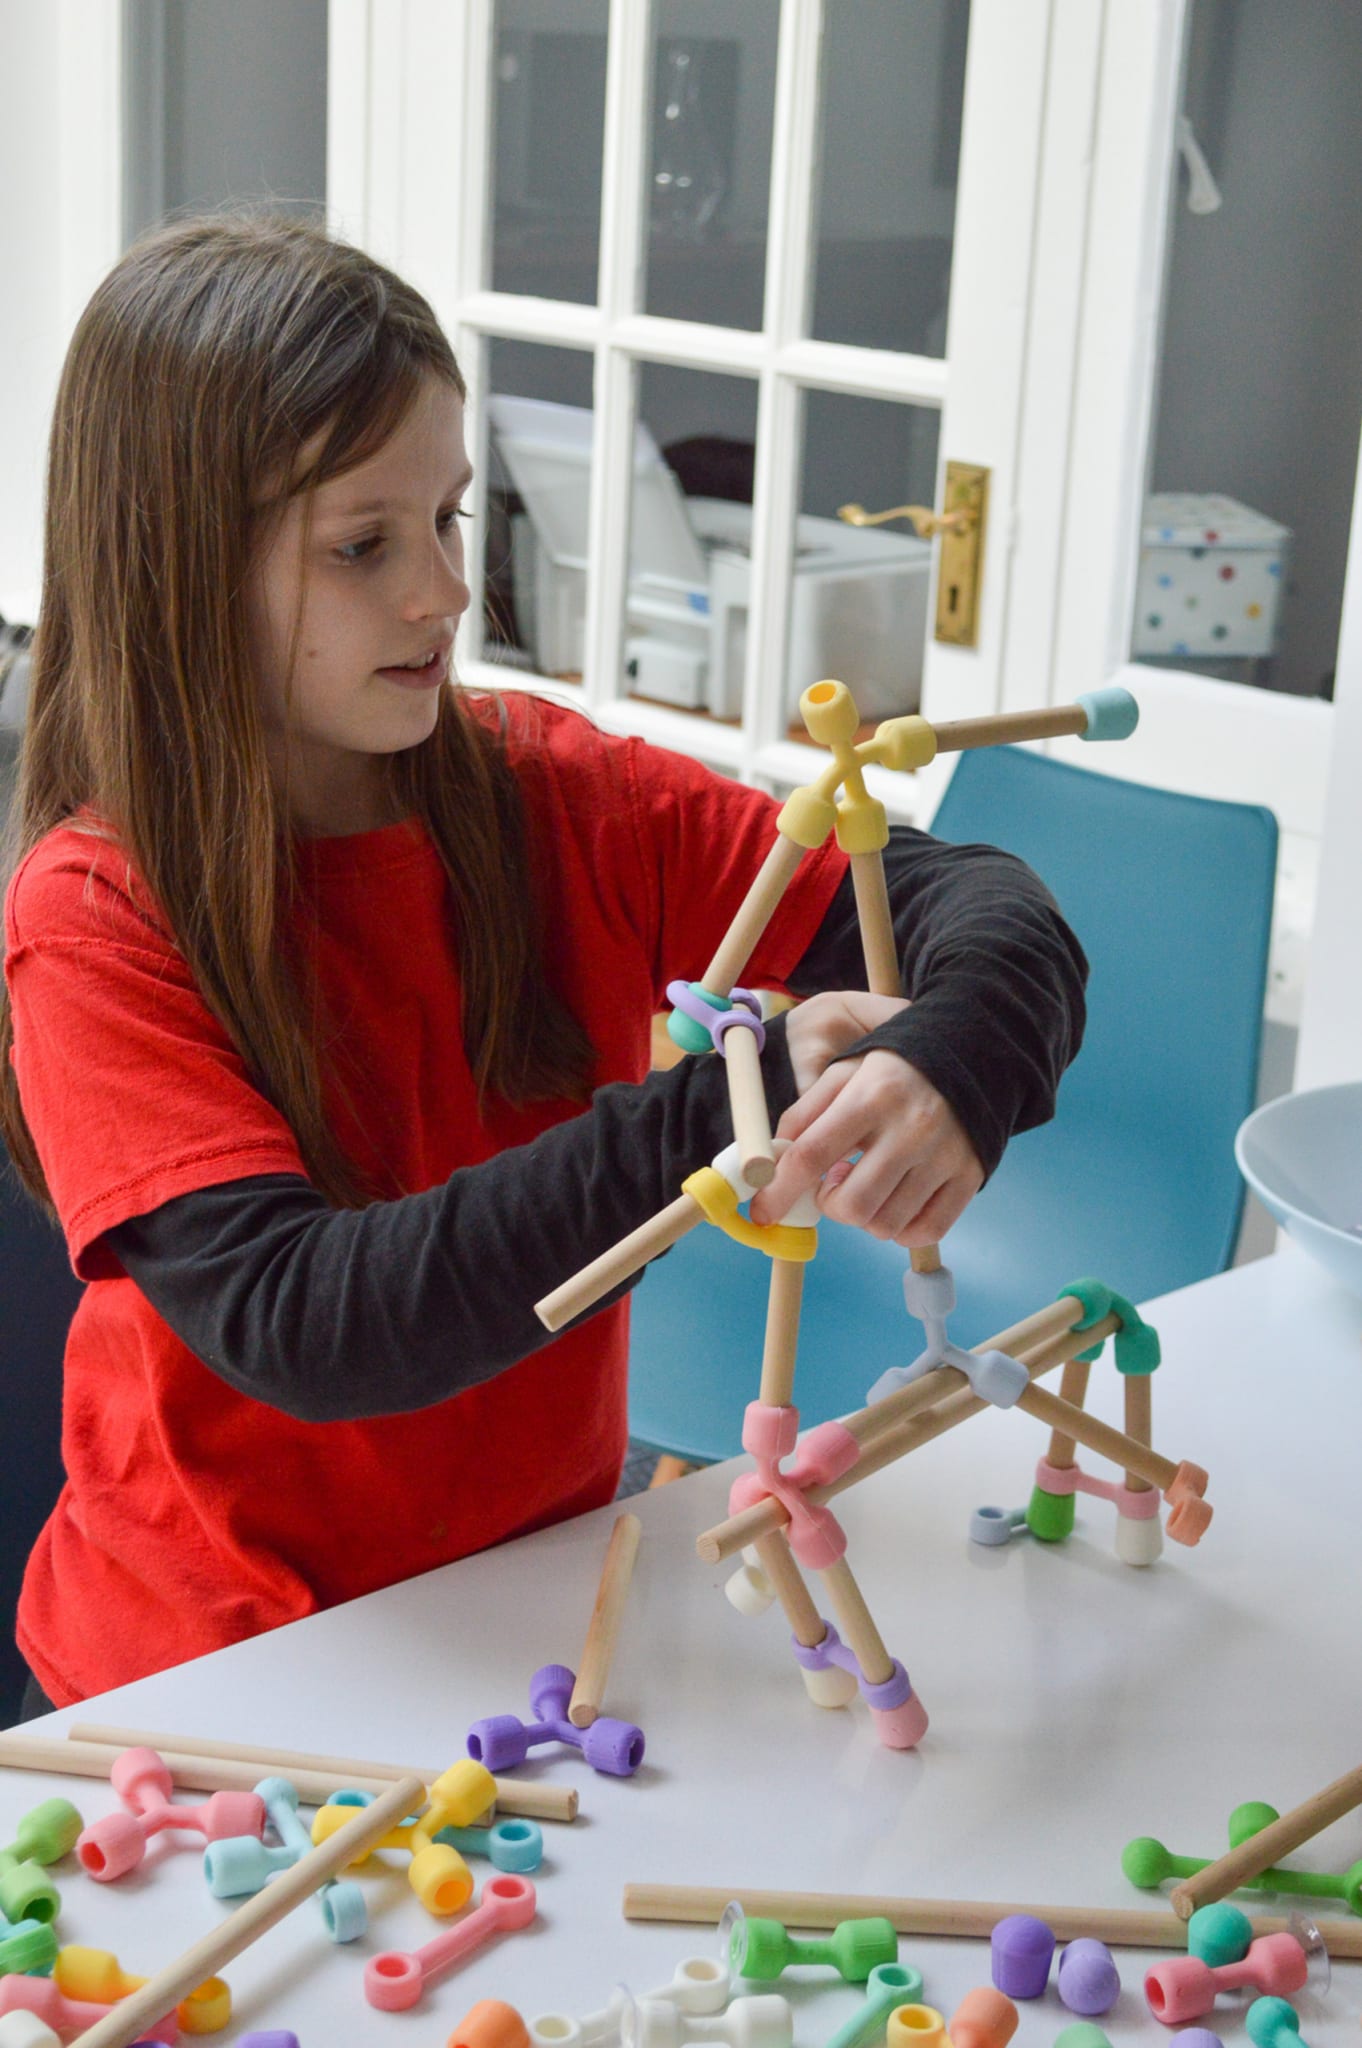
{"type": "Point", "coordinates": [366, 598]}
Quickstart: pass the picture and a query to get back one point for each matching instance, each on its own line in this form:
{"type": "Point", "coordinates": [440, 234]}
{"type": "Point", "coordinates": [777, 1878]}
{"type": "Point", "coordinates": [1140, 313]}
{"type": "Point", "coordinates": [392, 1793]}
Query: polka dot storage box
{"type": "Point", "coordinates": [1211, 574]}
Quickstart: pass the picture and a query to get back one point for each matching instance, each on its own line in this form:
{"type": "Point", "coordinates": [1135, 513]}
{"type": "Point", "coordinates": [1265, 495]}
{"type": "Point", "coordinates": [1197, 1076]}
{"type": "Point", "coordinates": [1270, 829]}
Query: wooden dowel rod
{"type": "Point", "coordinates": [784, 1297]}
{"type": "Point", "coordinates": [1099, 1436]}
{"type": "Point", "coordinates": [1072, 1387]}
{"type": "Point", "coordinates": [203, 1766]}
{"type": "Point", "coordinates": [751, 1523]}
{"type": "Point", "coordinates": [614, 1266]}
{"type": "Point", "coordinates": [1269, 1845]}
{"type": "Point", "coordinates": [883, 974]}
{"type": "Point", "coordinates": [796, 1601]}
{"type": "Point", "coordinates": [747, 1107]}
{"type": "Point", "coordinates": [604, 1627]}
{"type": "Point", "coordinates": [1139, 1419]}
{"type": "Point", "coordinates": [754, 914]}
{"type": "Point", "coordinates": [973, 1919]}
{"type": "Point", "coordinates": [855, 1623]}
{"type": "Point", "coordinates": [958, 735]}
{"type": "Point", "coordinates": [162, 1992]}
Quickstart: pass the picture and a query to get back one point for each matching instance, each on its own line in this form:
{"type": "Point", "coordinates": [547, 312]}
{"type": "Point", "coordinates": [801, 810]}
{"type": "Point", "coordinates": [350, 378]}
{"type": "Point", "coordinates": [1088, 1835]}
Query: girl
{"type": "Point", "coordinates": [329, 985]}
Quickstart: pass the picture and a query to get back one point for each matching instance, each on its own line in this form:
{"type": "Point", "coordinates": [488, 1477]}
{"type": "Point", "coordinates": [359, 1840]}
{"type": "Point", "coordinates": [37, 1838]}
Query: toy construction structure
{"type": "Point", "coordinates": [779, 1514]}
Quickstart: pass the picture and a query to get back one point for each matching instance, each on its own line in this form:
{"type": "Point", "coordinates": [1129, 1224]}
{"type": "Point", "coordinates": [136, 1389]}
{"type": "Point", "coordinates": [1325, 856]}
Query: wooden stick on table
{"type": "Point", "coordinates": [604, 1626]}
{"type": "Point", "coordinates": [1269, 1845]}
{"type": "Point", "coordinates": [973, 1919]}
{"type": "Point", "coordinates": [199, 1765]}
{"type": "Point", "coordinates": [204, 1958]}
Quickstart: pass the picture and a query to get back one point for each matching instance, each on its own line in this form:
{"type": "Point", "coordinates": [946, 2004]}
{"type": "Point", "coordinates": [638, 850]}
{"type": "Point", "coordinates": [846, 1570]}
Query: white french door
{"type": "Point", "coordinates": [410, 171]}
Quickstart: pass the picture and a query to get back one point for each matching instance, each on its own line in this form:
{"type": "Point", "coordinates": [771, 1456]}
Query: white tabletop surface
{"type": "Point", "coordinates": [1074, 1703]}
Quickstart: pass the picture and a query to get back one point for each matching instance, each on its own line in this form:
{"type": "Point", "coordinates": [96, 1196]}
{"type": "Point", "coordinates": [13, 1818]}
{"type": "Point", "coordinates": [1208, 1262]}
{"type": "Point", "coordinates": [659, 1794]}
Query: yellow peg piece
{"type": "Point", "coordinates": [437, 1873]}
{"type": "Point", "coordinates": [862, 825]}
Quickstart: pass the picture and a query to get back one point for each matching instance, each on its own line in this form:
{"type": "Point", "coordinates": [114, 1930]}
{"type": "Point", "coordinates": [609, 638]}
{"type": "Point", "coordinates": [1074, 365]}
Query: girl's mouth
{"type": "Point", "coordinates": [431, 671]}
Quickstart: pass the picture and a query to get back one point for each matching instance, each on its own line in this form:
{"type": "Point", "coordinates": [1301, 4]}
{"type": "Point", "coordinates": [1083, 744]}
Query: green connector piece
{"type": "Point", "coordinates": [1082, 2034]}
{"type": "Point", "coordinates": [762, 1949]}
{"type": "Point", "coordinates": [1050, 1516]}
{"type": "Point", "coordinates": [47, 1832]}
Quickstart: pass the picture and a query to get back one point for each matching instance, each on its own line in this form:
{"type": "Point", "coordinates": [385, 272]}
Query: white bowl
{"type": "Point", "coordinates": [1302, 1156]}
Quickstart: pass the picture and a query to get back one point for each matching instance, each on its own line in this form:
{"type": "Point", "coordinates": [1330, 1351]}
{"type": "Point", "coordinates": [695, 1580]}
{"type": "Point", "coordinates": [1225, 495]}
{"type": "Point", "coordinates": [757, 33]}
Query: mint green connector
{"type": "Point", "coordinates": [1050, 1516]}
{"type": "Point", "coordinates": [761, 1949]}
{"type": "Point", "coordinates": [889, 1985]}
{"type": "Point", "coordinates": [1112, 713]}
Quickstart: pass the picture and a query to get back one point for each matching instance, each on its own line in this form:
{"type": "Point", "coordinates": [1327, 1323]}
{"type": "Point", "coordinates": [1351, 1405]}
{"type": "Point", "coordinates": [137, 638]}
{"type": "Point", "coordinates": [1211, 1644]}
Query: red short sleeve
{"type": "Point", "coordinates": [132, 1090]}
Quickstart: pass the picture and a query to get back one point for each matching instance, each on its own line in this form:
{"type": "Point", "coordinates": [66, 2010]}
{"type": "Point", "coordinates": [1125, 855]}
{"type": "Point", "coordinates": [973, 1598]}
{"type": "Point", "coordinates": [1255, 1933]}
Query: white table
{"type": "Point", "coordinates": [1075, 1702]}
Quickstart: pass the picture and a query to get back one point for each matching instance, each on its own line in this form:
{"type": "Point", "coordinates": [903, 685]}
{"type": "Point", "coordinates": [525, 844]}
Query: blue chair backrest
{"type": "Point", "coordinates": [38, 1293]}
{"type": "Point", "coordinates": [1171, 897]}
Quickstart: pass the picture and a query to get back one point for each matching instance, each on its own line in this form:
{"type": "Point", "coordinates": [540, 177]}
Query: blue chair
{"type": "Point", "coordinates": [1134, 1180]}
{"type": "Point", "coordinates": [39, 1293]}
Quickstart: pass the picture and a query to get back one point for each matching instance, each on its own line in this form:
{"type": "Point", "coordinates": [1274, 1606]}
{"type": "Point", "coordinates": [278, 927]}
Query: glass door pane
{"type": "Point", "coordinates": [548, 109]}
{"type": "Point", "coordinates": [858, 602]}
{"type": "Point", "coordinates": [893, 94]}
{"type": "Point", "coordinates": [709, 172]}
{"type": "Point", "coordinates": [1253, 454]}
{"type": "Point", "coordinates": [538, 507]}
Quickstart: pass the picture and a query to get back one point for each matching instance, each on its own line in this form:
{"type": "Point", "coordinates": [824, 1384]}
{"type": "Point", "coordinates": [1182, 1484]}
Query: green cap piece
{"type": "Point", "coordinates": [1219, 1934]}
{"type": "Point", "coordinates": [26, 1891]}
{"type": "Point", "coordinates": [1250, 1819]}
{"type": "Point", "coordinates": [30, 1949]}
{"type": "Point", "coordinates": [48, 1831]}
{"type": "Point", "coordinates": [758, 1949]}
{"type": "Point", "coordinates": [1147, 1863]}
{"type": "Point", "coordinates": [1050, 1515]}
{"type": "Point", "coordinates": [1082, 2034]}
{"type": "Point", "coordinates": [858, 1945]}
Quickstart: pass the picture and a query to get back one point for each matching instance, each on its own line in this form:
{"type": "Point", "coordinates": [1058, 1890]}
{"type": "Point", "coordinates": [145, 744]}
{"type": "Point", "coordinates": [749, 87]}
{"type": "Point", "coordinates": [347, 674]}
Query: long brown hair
{"type": "Point", "coordinates": [215, 353]}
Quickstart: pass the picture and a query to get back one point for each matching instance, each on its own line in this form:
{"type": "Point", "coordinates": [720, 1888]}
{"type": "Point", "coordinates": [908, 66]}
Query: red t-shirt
{"type": "Point", "coordinates": [193, 1516]}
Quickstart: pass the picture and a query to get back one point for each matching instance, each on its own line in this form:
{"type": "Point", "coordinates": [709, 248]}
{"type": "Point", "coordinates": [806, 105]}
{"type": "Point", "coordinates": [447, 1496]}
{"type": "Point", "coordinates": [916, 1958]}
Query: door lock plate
{"type": "Point", "coordinates": [960, 569]}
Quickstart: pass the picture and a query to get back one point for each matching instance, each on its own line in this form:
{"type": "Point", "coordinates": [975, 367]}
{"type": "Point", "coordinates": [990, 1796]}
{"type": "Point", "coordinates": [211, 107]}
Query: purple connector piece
{"type": "Point", "coordinates": [503, 1741]}
{"type": "Point", "coordinates": [1022, 1947]}
{"type": "Point", "coordinates": [1087, 1978]}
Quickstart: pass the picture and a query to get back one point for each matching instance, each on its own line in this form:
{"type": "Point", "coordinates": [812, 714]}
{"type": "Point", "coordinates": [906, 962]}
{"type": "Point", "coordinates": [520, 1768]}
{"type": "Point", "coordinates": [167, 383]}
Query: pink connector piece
{"type": "Point", "coordinates": [770, 1433]}
{"type": "Point", "coordinates": [116, 1844]}
{"type": "Point", "coordinates": [68, 2017]}
{"type": "Point", "coordinates": [1185, 1987]}
{"type": "Point", "coordinates": [1139, 1504]}
{"type": "Point", "coordinates": [395, 1980]}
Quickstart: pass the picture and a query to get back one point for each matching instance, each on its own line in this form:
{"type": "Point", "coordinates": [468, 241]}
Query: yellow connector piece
{"type": "Point", "coordinates": [712, 1192]}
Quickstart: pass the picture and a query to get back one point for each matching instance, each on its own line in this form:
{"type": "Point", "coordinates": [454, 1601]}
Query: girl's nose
{"type": "Point", "coordinates": [439, 590]}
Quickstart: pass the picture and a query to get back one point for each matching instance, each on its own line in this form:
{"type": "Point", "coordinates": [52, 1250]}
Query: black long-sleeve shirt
{"type": "Point", "coordinates": [334, 1314]}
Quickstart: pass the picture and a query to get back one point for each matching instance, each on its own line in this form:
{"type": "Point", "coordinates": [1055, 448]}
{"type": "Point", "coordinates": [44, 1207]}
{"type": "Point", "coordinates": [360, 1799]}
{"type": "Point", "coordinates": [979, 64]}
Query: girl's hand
{"type": "Point", "coordinates": [917, 1170]}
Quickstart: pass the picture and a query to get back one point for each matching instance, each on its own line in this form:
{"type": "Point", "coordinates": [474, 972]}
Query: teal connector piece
{"type": "Point", "coordinates": [1273, 2023]}
{"type": "Point", "coordinates": [686, 1032]}
{"type": "Point", "coordinates": [889, 1985]}
{"type": "Point", "coordinates": [1137, 1342]}
{"type": "Point", "coordinates": [516, 1845]}
{"type": "Point", "coordinates": [27, 1948]}
{"type": "Point", "coordinates": [1096, 1298]}
{"type": "Point", "coordinates": [1112, 713]}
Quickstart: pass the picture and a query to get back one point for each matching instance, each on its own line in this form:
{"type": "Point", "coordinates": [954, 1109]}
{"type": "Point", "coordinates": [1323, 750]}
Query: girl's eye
{"type": "Point", "coordinates": [446, 520]}
{"type": "Point", "coordinates": [352, 551]}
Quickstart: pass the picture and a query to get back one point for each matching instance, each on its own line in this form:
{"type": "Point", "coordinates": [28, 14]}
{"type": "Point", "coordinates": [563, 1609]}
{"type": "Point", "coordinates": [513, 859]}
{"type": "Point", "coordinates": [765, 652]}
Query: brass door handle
{"type": "Point", "coordinates": [925, 521]}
